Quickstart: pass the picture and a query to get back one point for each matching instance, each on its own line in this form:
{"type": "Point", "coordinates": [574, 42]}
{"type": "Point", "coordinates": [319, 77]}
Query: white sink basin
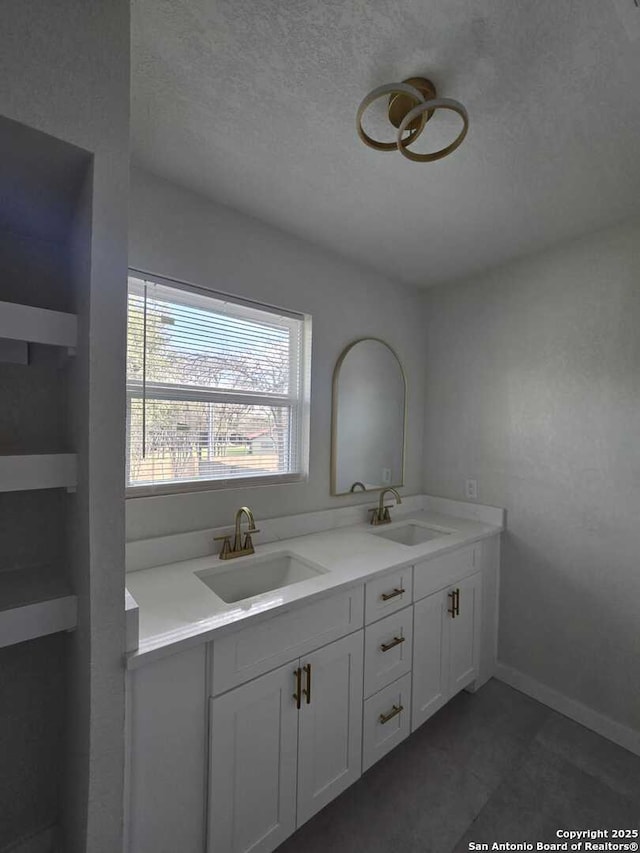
{"type": "Point", "coordinates": [412, 533]}
{"type": "Point", "coordinates": [262, 574]}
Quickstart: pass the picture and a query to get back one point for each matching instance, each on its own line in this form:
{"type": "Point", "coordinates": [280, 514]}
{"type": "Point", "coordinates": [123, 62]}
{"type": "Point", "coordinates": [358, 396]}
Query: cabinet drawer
{"type": "Point", "coordinates": [388, 648]}
{"type": "Point", "coordinates": [251, 651]}
{"type": "Point", "coordinates": [388, 593]}
{"type": "Point", "coordinates": [432, 575]}
{"type": "Point", "coordinates": [386, 720]}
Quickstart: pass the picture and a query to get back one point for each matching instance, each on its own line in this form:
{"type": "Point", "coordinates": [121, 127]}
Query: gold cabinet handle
{"type": "Point", "coordinates": [387, 595]}
{"type": "Point", "coordinates": [452, 610]}
{"type": "Point", "coordinates": [395, 642]}
{"type": "Point", "coordinates": [297, 674]}
{"type": "Point", "coordinates": [395, 710]}
{"type": "Point", "coordinates": [307, 690]}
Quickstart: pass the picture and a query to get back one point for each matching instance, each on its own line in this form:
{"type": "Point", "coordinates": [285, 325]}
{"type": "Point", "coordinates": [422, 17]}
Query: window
{"type": "Point", "coordinates": [217, 390]}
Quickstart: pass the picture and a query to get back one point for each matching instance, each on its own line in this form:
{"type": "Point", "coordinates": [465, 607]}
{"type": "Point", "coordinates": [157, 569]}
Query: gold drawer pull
{"type": "Point", "coordinates": [395, 642]}
{"type": "Point", "coordinates": [387, 595]}
{"type": "Point", "coordinates": [452, 610]}
{"type": "Point", "coordinates": [297, 674]}
{"type": "Point", "coordinates": [395, 710]}
{"type": "Point", "coordinates": [454, 595]}
{"type": "Point", "coordinates": [307, 690]}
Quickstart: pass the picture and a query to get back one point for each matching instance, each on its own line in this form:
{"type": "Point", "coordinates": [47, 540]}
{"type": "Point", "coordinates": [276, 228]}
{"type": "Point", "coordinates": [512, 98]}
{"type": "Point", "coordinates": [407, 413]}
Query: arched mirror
{"type": "Point", "coordinates": [368, 422]}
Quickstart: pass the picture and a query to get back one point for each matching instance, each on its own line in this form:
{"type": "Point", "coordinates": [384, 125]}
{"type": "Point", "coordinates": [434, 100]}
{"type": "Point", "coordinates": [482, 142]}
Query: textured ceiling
{"type": "Point", "coordinates": [252, 102]}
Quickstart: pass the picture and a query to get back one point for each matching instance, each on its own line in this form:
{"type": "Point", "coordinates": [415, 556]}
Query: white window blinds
{"type": "Point", "coordinates": [217, 390]}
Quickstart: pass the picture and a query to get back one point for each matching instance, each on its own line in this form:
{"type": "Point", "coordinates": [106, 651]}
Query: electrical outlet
{"type": "Point", "coordinates": [471, 489]}
{"type": "Point", "coordinates": [386, 476]}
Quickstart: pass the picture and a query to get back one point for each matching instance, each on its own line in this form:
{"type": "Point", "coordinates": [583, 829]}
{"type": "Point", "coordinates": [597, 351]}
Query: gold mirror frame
{"type": "Point", "coordinates": [334, 418]}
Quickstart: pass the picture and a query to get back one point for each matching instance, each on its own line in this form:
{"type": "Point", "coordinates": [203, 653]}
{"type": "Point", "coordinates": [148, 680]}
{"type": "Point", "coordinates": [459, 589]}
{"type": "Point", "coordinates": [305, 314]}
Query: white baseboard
{"type": "Point", "coordinates": [41, 842]}
{"type": "Point", "coordinates": [617, 732]}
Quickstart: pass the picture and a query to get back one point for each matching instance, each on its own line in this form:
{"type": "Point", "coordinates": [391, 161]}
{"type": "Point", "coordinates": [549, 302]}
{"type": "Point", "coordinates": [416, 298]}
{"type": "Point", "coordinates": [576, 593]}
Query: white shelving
{"type": "Point", "coordinates": [37, 471]}
{"type": "Point", "coordinates": [37, 325]}
{"type": "Point", "coordinates": [33, 603]}
{"type": "Point", "coordinates": [39, 619]}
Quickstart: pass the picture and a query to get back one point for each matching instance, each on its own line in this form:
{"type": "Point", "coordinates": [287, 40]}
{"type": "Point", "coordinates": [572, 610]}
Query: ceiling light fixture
{"type": "Point", "coordinates": [411, 104]}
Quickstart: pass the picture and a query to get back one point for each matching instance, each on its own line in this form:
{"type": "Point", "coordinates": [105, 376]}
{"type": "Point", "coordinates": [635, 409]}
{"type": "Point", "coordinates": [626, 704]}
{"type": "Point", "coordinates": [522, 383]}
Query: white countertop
{"type": "Point", "coordinates": [178, 610]}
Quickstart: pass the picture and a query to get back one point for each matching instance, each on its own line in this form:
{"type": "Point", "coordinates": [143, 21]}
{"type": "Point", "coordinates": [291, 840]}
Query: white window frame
{"type": "Point", "coordinates": [298, 404]}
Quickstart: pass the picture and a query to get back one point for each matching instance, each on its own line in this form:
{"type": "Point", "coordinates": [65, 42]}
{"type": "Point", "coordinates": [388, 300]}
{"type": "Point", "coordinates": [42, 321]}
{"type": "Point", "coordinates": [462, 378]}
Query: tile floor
{"type": "Point", "coordinates": [490, 766]}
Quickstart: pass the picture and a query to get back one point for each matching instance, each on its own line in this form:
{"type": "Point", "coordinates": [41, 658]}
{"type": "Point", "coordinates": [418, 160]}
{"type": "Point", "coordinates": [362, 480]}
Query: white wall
{"type": "Point", "coordinates": [533, 388]}
{"type": "Point", "coordinates": [64, 68]}
{"type": "Point", "coordinates": [178, 234]}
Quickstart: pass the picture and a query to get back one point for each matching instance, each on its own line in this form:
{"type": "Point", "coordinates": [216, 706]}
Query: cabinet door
{"type": "Point", "coordinates": [253, 765]}
{"type": "Point", "coordinates": [166, 761]}
{"type": "Point", "coordinates": [464, 631]}
{"type": "Point", "coordinates": [330, 734]}
{"type": "Point", "coordinates": [430, 657]}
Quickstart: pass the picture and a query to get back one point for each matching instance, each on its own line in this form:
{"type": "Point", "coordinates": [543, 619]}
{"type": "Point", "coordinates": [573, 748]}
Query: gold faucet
{"type": "Point", "coordinates": [239, 548]}
{"type": "Point", "coordinates": [380, 513]}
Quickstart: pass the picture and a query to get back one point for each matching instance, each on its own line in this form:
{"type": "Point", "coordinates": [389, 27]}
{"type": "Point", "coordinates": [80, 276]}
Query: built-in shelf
{"type": "Point", "coordinates": [37, 620]}
{"type": "Point", "coordinates": [37, 471]}
{"type": "Point", "coordinates": [34, 603]}
{"type": "Point", "coordinates": [131, 621]}
{"type": "Point", "coordinates": [38, 325]}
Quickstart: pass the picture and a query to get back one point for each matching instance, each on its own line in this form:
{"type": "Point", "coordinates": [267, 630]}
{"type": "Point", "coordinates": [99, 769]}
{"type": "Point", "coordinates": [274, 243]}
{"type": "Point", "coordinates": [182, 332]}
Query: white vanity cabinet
{"type": "Point", "coordinates": [237, 742]}
{"type": "Point", "coordinates": [273, 764]}
{"type": "Point", "coordinates": [446, 646]}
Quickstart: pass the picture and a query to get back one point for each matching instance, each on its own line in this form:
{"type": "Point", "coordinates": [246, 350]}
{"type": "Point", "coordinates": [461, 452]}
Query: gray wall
{"type": "Point", "coordinates": [179, 234]}
{"type": "Point", "coordinates": [65, 71]}
{"type": "Point", "coordinates": [533, 388]}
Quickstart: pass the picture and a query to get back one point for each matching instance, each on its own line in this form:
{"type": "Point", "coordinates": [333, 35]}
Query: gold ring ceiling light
{"type": "Point", "coordinates": [411, 104]}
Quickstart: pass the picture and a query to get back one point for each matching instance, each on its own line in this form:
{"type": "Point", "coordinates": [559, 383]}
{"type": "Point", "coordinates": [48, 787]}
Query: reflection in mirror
{"type": "Point", "coordinates": [367, 449]}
